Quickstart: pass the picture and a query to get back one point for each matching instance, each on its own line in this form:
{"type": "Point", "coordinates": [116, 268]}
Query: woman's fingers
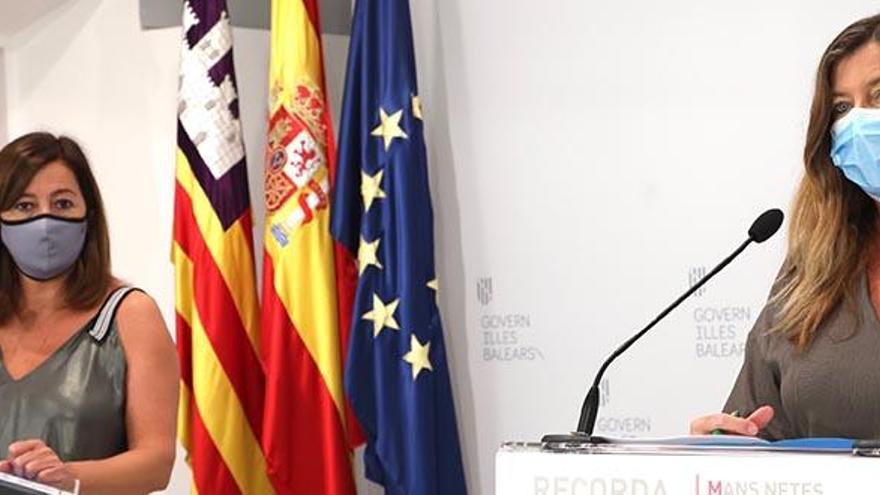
{"type": "Point", "coordinates": [35, 467]}
{"type": "Point", "coordinates": [20, 463]}
{"type": "Point", "coordinates": [20, 452]}
{"type": "Point", "coordinates": [762, 416]}
{"type": "Point", "coordinates": [729, 424]}
{"type": "Point", "coordinates": [30, 458]}
{"type": "Point", "coordinates": [54, 476]}
{"type": "Point", "coordinates": [18, 448]}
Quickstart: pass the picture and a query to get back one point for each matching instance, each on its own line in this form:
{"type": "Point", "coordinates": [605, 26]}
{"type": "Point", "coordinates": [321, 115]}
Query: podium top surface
{"type": "Point", "coordinates": [13, 485]}
{"type": "Point", "coordinates": [695, 445]}
{"type": "Point", "coordinates": [527, 468]}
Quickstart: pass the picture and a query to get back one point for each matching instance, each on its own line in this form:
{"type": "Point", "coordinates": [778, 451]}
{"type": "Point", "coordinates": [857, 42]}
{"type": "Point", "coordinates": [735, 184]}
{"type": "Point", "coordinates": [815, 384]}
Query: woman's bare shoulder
{"type": "Point", "coordinates": [140, 322]}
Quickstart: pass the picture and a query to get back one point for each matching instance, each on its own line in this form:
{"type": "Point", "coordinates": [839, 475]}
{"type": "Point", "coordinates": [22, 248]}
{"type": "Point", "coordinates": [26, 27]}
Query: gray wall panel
{"type": "Point", "coordinates": [335, 14]}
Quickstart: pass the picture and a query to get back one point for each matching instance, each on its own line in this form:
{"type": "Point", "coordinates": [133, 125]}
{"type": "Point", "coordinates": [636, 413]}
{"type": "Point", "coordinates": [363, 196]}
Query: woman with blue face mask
{"type": "Point", "coordinates": [811, 360]}
{"type": "Point", "coordinates": [88, 372]}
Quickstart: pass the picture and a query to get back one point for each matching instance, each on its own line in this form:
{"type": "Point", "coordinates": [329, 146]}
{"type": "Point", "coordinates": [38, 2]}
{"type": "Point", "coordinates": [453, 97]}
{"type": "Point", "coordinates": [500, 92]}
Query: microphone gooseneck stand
{"type": "Point", "coordinates": [762, 229]}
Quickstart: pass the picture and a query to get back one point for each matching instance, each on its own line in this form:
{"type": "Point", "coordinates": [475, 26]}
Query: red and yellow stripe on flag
{"type": "Point", "coordinates": [304, 434]}
{"type": "Point", "coordinates": [221, 406]}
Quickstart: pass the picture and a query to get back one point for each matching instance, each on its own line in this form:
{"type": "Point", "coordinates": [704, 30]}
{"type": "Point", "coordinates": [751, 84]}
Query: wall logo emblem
{"type": "Point", "coordinates": [694, 276]}
{"type": "Point", "coordinates": [604, 392]}
{"type": "Point", "coordinates": [484, 290]}
{"type": "Point", "coordinates": [506, 336]}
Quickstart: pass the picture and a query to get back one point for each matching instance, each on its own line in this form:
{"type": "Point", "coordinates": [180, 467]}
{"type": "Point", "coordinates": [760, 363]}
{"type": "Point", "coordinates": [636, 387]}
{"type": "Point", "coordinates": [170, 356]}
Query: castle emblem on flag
{"type": "Point", "coordinates": [217, 311]}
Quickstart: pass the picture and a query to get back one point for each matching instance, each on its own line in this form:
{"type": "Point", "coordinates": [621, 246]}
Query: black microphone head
{"type": "Point", "coordinates": [766, 225]}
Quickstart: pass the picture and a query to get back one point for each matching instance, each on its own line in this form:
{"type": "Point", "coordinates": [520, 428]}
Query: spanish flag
{"type": "Point", "coordinates": [304, 436]}
{"type": "Point", "coordinates": [221, 407]}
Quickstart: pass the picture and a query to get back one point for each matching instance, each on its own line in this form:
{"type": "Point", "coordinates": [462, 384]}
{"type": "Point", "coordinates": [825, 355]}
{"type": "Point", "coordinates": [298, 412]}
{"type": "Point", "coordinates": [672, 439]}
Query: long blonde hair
{"type": "Point", "coordinates": [832, 219]}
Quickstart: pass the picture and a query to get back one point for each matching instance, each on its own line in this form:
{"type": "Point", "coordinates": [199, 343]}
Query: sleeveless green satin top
{"type": "Point", "coordinates": [75, 400]}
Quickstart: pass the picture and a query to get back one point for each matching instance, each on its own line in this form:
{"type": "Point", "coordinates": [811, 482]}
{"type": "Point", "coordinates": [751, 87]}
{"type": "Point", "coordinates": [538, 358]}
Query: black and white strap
{"type": "Point", "coordinates": [108, 313]}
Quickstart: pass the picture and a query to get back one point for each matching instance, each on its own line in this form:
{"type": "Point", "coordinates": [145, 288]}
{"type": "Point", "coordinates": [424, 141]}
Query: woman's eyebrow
{"type": "Point", "coordinates": [63, 191]}
{"type": "Point", "coordinates": [874, 81]}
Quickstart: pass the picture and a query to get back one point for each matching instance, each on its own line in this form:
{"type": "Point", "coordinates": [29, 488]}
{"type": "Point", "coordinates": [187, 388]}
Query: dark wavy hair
{"type": "Point", "coordinates": [89, 280]}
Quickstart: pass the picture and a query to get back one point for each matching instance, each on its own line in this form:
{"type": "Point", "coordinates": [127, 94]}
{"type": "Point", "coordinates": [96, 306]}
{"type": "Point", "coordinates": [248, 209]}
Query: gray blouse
{"type": "Point", "coordinates": [75, 400]}
{"type": "Point", "coordinates": [830, 390]}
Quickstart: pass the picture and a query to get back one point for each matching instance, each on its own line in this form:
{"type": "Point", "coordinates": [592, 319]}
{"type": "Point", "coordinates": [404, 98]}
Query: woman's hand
{"type": "Point", "coordinates": [757, 421]}
{"type": "Point", "coordinates": [33, 460]}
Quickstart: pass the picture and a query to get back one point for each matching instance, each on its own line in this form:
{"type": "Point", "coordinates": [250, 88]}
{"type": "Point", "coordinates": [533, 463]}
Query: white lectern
{"type": "Point", "coordinates": [13, 485]}
{"type": "Point", "coordinates": [526, 468]}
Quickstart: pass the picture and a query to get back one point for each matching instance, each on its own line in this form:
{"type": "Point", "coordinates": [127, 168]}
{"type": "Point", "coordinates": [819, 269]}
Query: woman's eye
{"type": "Point", "coordinates": [63, 204]}
{"type": "Point", "coordinates": [24, 206]}
{"type": "Point", "coordinates": [840, 108]}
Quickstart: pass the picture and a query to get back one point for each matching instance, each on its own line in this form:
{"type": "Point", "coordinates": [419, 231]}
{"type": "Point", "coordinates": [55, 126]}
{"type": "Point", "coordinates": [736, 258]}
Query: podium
{"type": "Point", "coordinates": [529, 469]}
{"type": "Point", "coordinates": [12, 485]}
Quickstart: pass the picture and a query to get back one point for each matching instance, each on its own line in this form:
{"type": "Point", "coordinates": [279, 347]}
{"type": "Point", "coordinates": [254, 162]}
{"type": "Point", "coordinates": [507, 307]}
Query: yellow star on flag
{"type": "Point", "coordinates": [367, 255]}
{"type": "Point", "coordinates": [418, 356]}
{"type": "Point", "coordinates": [417, 107]}
{"type": "Point", "coordinates": [389, 128]}
{"type": "Point", "coordinates": [435, 286]}
{"type": "Point", "coordinates": [371, 188]}
{"type": "Point", "coordinates": [382, 315]}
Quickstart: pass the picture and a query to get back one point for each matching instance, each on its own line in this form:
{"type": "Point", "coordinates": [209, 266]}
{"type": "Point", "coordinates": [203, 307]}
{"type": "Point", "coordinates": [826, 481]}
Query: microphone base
{"type": "Point", "coordinates": [575, 439]}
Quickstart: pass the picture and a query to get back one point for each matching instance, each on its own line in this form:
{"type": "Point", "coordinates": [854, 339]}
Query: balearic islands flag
{"type": "Point", "coordinates": [304, 435]}
{"type": "Point", "coordinates": [396, 373]}
{"type": "Point", "coordinates": [221, 406]}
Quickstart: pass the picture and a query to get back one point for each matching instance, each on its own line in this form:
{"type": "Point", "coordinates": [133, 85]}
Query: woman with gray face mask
{"type": "Point", "coordinates": [88, 371]}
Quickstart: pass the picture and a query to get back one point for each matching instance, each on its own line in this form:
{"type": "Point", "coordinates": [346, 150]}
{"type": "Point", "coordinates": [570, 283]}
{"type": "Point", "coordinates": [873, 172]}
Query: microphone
{"type": "Point", "coordinates": [765, 225]}
{"type": "Point", "coordinates": [762, 229]}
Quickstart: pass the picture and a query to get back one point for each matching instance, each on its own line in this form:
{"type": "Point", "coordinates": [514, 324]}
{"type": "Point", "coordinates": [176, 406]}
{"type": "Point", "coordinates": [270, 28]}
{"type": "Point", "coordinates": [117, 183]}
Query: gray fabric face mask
{"type": "Point", "coordinates": [46, 246]}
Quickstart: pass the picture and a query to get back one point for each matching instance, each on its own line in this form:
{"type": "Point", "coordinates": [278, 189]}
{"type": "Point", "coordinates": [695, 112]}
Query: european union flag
{"type": "Point", "coordinates": [396, 374]}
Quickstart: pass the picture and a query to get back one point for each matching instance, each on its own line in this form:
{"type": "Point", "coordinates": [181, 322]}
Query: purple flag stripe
{"type": "Point", "coordinates": [221, 69]}
{"type": "Point", "coordinates": [228, 194]}
{"type": "Point", "coordinates": [208, 13]}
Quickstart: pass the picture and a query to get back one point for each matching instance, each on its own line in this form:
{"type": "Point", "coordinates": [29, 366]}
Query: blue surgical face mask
{"type": "Point", "coordinates": [44, 247]}
{"type": "Point", "coordinates": [855, 148]}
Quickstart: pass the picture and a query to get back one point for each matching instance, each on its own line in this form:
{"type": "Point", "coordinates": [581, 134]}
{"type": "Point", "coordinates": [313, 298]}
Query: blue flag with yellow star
{"type": "Point", "coordinates": [396, 374]}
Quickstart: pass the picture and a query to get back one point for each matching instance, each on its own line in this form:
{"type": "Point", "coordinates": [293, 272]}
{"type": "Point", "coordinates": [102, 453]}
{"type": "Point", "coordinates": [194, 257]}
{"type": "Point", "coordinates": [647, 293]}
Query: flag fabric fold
{"type": "Point", "coordinates": [220, 420]}
{"type": "Point", "coordinates": [396, 371]}
{"type": "Point", "coordinates": [305, 435]}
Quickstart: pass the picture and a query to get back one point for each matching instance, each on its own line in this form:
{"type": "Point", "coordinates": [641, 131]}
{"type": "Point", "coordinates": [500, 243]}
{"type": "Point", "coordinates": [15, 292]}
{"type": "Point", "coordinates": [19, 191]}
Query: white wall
{"type": "Point", "coordinates": [586, 157]}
